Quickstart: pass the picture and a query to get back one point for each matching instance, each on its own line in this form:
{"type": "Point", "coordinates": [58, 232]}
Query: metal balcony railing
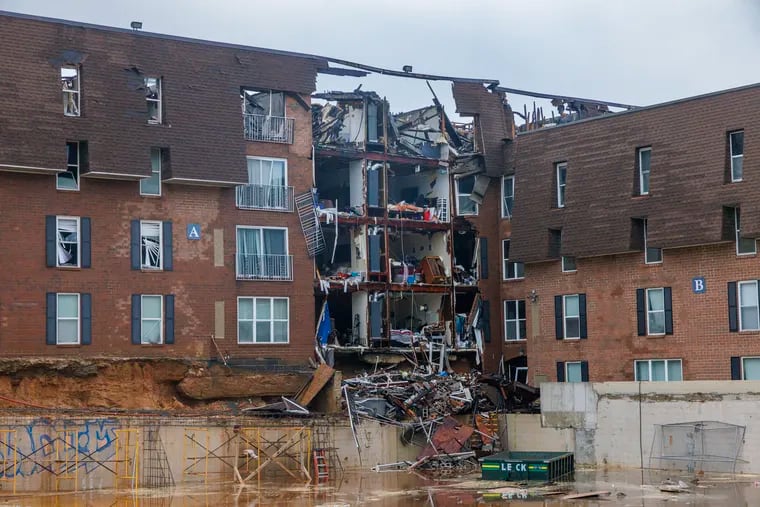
{"type": "Point", "coordinates": [264, 197]}
{"type": "Point", "coordinates": [270, 129]}
{"type": "Point", "coordinates": [264, 267]}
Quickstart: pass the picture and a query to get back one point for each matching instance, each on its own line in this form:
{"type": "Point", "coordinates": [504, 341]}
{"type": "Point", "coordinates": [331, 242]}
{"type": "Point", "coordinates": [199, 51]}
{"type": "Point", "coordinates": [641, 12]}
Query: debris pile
{"type": "Point", "coordinates": [425, 406]}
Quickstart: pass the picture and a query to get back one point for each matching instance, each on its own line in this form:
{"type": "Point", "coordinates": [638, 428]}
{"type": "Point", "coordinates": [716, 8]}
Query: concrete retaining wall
{"type": "Point", "coordinates": [64, 454]}
{"type": "Point", "coordinates": [615, 422]}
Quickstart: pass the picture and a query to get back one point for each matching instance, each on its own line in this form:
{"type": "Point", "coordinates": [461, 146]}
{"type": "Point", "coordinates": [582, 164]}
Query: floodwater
{"type": "Point", "coordinates": [402, 489]}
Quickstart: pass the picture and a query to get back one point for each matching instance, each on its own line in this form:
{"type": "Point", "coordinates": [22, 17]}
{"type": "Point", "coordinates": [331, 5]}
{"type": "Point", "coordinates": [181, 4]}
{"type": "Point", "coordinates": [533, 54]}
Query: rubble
{"type": "Point", "coordinates": [452, 417]}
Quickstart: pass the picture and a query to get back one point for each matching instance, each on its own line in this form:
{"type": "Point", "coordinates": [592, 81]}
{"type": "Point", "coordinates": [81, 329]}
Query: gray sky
{"type": "Point", "coordinates": [632, 51]}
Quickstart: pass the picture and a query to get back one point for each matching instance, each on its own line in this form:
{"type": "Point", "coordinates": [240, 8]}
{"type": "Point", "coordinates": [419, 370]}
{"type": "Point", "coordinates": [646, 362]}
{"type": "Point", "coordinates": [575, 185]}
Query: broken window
{"type": "Point", "coordinates": [152, 185]}
{"type": "Point", "coordinates": [651, 255]}
{"type": "Point", "coordinates": [151, 319]}
{"type": "Point", "coordinates": [464, 187]}
{"type": "Point", "coordinates": [70, 86]}
{"type": "Point", "coordinates": [67, 319]}
{"type": "Point", "coordinates": [507, 196]}
{"type": "Point", "coordinates": [67, 250]}
{"type": "Point", "coordinates": [150, 245]}
{"type": "Point", "coordinates": [511, 270]}
{"type": "Point", "coordinates": [744, 246]}
{"type": "Point", "coordinates": [658, 370]}
{"type": "Point", "coordinates": [514, 320]}
{"type": "Point", "coordinates": [69, 180]}
{"type": "Point", "coordinates": [263, 320]}
{"type": "Point", "coordinates": [736, 151]}
{"type": "Point", "coordinates": [153, 99]}
{"type": "Point", "coordinates": [264, 117]}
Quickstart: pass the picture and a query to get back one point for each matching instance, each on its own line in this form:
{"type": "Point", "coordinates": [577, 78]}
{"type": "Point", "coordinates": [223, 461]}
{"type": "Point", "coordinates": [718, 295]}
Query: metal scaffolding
{"type": "Point", "coordinates": [289, 448]}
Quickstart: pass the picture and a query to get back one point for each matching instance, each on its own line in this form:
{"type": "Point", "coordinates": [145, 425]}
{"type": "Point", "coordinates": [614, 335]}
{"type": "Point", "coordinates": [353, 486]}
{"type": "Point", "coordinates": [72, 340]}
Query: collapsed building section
{"type": "Point", "coordinates": [399, 275]}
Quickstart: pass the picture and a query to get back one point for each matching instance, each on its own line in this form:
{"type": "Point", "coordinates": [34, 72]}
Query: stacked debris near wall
{"type": "Point", "coordinates": [451, 417]}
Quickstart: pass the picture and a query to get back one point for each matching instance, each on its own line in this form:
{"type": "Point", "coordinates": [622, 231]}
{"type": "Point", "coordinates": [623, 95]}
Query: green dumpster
{"type": "Point", "coordinates": [527, 466]}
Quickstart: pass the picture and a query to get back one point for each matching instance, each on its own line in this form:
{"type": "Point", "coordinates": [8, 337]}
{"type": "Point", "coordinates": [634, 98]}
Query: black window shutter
{"type": "Point", "coordinates": [485, 315]}
{"type": "Point", "coordinates": [584, 371]}
{"type": "Point", "coordinates": [86, 242]}
{"type": "Point", "coordinates": [85, 301]}
{"type": "Point", "coordinates": [169, 319]}
{"type": "Point", "coordinates": [134, 244]}
{"type": "Point", "coordinates": [167, 239]}
{"type": "Point", "coordinates": [50, 321]}
{"type": "Point", "coordinates": [736, 368]}
{"type": "Point", "coordinates": [668, 296]}
{"type": "Point", "coordinates": [641, 312]}
{"type": "Point", "coordinates": [560, 371]}
{"type": "Point", "coordinates": [50, 240]}
{"type": "Point", "coordinates": [733, 314]}
{"type": "Point", "coordinates": [559, 329]}
{"type": "Point", "coordinates": [582, 313]}
{"type": "Point", "coordinates": [483, 258]}
{"type": "Point", "coordinates": [136, 316]}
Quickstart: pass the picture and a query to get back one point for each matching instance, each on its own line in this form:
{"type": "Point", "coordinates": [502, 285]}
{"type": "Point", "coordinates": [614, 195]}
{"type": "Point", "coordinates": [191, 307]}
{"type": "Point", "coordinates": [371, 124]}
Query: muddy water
{"type": "Point", "coordinates": [401, 489]}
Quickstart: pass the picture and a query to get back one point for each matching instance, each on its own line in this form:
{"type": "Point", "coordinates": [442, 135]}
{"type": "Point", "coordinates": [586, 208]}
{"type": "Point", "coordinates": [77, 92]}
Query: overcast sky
{"type": "Point", "coordinates": [632, 51]}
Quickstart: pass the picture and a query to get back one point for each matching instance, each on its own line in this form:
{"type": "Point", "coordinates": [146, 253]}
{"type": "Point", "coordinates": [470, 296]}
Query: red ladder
{"type": "Point", "coordinates": [321, 469]}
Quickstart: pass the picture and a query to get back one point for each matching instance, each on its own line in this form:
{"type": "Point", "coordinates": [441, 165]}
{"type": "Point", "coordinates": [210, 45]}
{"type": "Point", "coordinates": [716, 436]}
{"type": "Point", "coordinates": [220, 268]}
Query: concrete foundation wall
{"type": "Point", "coordinates": [615, 423]}
{"type": "Point", "coordinates": [525, 433]}
{"type": "Point", "coordinates": [64, 454]}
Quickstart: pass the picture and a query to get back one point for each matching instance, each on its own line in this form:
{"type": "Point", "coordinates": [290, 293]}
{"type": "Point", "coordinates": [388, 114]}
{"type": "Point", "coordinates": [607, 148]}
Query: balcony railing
{"type": "Point", "coordinates": [265, 197]}
{"type": "Point", "coordinates": [264, 267]}
{"type": "Point", "coordinates": [270, 129]}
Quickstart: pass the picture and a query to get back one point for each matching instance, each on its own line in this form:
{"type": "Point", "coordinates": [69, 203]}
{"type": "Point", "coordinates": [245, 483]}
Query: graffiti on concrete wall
{"type": "Point", "coordinates": [46, 446]}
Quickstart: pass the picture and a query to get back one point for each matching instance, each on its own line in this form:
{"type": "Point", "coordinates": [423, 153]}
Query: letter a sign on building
{"type": "Point", "coordinates": [193, 231]}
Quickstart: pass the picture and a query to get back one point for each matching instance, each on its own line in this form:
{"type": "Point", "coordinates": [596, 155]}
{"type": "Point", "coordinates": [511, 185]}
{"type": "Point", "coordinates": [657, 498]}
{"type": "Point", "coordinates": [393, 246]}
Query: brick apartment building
{"type": "Point", "coordinates": [635, 234]}
{"type": "Point", "coordinates": [143, 212]}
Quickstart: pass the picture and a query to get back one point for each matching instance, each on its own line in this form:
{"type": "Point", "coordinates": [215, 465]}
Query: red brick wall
{"type": "Point", "coordinates": [700, 321]}
{"type": "Point", "coordinates": [195, 282]}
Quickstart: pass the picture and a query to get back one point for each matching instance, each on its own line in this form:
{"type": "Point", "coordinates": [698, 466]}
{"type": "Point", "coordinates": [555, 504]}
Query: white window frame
{"type": "Point", "coordinates": [267, 159]}
{"type": "Point", "coordinates": [744, 358]}
{"type": "Point", "coordinates": [740, 305]}
{"type": "Point", "coordinates": [262, 228]}
{"type": "Point", "coordinates": [72, 96]}
{"type": "Point", "coordinates": [506, 211]}
{"type": "Point", "coordinates": [459, 195]}
{"type": "Point", "coordinates": [78, 318]}
{"type": "Point", "coordinates": [158, 100]}
{"type": "Point", "coordinates": [737, 227]}
{"type": "Point", "coordinates": [567, 371]}
{"type": "Point", "coordinates": [77, 167]}
{"type": "Point", "coordinates": [564, 267]}
{"type": "Point", "coordinates": [650, 311]}
{"type": "Point", "coordinates": [506, 272]}
{"type": "Point", "coordinates": [565, 317]}
{"type": "Point", "coordinates": [516, 321]}
{"type": "Point", "coordinates": [734, 157]}
{"type": "Point", "coordinates": [646, 248]}
{"type": "Point", "coordinates": [59, 240]}
{"type": "Point", "coordinates": [648, 171]}
{"type": "Point", "coordinates": [649, 362]}
{"type": "Point", "coordinates": [154, 173]}
{"type": "Point", "coordinates": [271, 320]}
{"type": "Point", "coordinates": [161, 319]}
{"type": "Point", "coordinates": [561, 187]}
{"type": "Point", "coordinates": [143, 264]}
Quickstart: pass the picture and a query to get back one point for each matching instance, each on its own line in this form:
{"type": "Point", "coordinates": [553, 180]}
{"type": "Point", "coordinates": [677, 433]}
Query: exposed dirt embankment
{"type": "Point", "coordinates": [136, 384]}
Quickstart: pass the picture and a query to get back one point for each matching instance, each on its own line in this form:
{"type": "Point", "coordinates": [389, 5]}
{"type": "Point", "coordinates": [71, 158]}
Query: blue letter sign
{"type": "Point", "coordinates": [193, 231]}
{"type": "Point", "coordinates": [698, 285]}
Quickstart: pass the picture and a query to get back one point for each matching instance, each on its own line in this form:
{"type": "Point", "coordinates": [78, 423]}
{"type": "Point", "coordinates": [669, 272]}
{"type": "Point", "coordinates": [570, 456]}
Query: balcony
{"type": "Point", "coordinates": [264, 197]}
{"type": "Point", "coordinates": [269, 129]}
{"type": "Point", "coordinates": [264, 267]}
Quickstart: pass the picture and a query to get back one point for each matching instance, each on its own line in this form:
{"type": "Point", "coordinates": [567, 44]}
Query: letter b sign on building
{"type": "Point", "coordinates": [698, 285]}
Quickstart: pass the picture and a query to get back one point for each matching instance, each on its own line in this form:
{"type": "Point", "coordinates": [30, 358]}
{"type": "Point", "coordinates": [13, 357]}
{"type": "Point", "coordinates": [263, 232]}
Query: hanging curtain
{"type": "Point", "coordinates": [150, 234]}
{"type": "Point", "coordinates": [67, 241]}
